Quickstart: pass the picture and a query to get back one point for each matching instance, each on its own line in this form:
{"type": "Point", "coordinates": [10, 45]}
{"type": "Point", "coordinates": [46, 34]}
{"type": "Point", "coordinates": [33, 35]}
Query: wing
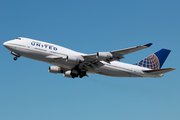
{"type": "Point", "coordinates": [94, 61]}
{"type": "Point", "coordinates": [113, 55]}
{"type": "Point", "coordinates": [130, 50]}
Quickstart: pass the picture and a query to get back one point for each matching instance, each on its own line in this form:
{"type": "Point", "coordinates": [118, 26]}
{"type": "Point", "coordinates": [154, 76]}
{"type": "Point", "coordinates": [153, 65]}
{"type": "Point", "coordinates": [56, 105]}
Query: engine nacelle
{"type": "Point", "coordinates": [54, 69]}
{"type": "Point", "coordinates": [68, 74]}
{"type": "Point", "coordinates": [72, 59]}
{"type": "Point", "coordinates": [104, 55]}
{"type": "Point", "coordinates": [71, 73]}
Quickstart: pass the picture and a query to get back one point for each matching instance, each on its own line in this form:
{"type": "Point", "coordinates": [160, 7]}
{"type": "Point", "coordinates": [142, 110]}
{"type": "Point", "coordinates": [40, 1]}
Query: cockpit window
{"type": "Point", "coordinates": [18, 38]}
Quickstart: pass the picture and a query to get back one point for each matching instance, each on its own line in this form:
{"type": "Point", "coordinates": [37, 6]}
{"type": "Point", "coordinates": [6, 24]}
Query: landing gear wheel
{"type": "Point", "coordinates": [15, 58]}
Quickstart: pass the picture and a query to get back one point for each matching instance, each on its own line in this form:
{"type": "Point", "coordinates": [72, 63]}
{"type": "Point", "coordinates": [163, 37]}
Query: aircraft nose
{"type": "Point", "coordinates": [5, 44]}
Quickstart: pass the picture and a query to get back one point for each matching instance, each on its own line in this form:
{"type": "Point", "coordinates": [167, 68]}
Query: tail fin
{"type": "Point", "coordinates": [155, 60]}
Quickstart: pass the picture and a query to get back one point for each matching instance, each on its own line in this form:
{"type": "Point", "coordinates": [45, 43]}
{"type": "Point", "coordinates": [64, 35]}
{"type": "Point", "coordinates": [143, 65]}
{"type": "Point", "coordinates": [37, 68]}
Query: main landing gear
{"type": "Point", "coordinates": [16, 55]}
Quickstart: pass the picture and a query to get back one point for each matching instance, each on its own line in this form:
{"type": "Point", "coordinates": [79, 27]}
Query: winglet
{"type": "Point", "coordinates": [148, 45]}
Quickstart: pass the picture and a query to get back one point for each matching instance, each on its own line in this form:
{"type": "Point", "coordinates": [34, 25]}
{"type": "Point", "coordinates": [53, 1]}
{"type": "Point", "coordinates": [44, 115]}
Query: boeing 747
{"type": "Point", "coordinates": [75, 64]}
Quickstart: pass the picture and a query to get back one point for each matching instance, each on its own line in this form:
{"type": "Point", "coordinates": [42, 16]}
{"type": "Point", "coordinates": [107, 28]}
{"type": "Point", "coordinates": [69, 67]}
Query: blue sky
{"type": "Point", "coordinates": [28, 91]}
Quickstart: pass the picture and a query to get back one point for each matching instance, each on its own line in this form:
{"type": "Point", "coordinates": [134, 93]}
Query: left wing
{"type": "Point", "coordinates": [113, 55]}
{"type": "Point", "coordinates": [94, 61]}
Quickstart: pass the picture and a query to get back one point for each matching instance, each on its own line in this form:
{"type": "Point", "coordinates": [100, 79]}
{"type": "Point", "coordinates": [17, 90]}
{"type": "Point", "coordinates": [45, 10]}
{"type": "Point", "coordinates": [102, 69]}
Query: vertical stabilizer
{"type": "Point", "coordinates": [155, 60]}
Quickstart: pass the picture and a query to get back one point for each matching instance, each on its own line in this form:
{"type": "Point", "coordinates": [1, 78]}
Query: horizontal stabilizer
{"type": "Point", "coordinates": [159, 71]}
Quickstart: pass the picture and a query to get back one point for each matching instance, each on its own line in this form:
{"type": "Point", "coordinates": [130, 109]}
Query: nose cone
{"type": "Point", "coordinates": [5, 44]}
{"type": "Point", "coordinates": [8, 45]}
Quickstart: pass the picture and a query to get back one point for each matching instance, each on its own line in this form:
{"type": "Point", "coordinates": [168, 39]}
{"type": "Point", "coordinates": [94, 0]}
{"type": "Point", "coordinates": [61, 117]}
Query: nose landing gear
{"type": "Point", "coordinates": [15, 58]}
{"type": "Point", "coordinates": [16, 55]}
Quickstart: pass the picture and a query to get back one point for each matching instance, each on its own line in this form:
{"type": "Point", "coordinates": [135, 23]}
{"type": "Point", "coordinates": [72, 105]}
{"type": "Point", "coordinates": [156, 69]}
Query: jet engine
{"type": "Point", "coordinates": [68, 74]}
{"type": "Point", "coordinates": [71, 73]}
{"type": "Point", "coordinates": [55, 69]}
{"type": "Point", "coordinates": [104, 55]}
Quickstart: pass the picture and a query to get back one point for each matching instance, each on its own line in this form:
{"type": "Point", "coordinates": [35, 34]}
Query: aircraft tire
{"type": "Point", "coordinates": [15, 58]}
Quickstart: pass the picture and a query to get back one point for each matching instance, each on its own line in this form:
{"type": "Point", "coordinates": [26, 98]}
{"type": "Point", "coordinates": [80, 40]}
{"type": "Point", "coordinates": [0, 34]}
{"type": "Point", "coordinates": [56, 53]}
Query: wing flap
{"type": "Point", "coordinates": [159, 71]}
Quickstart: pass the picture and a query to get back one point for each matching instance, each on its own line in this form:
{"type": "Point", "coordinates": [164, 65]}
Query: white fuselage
{"type": "Point", "coordinates": [39, 50]}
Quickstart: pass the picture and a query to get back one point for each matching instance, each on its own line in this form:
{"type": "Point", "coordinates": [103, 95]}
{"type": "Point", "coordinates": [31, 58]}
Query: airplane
{"type": "Point", "coordinates": [75, 64]}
